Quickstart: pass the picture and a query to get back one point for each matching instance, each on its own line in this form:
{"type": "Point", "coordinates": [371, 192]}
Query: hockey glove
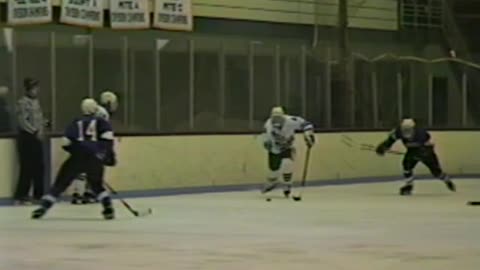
{"type": "Point", "coordinates": [107, 159]}
{"type": "Point", "coordinates": [309, 139]}
{"type": "Point", "coordinates": [268, 145]}
{"type": "Point", "coordinates": [381, 149]}
{"type": "Point", "coordinates": [110, 159]}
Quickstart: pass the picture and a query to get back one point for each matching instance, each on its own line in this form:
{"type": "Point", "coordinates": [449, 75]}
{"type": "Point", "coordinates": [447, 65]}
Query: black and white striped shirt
{"type": "Point", "coordinates": [29, 115]}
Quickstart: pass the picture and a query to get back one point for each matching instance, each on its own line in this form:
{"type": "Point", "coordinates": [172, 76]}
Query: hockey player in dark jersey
{"type": "Point", "coordinates": [419, 149]}
{"type": "Point", "coordinates": [108, 105]}
{"type": "Point", "coordinates": [89, 141]}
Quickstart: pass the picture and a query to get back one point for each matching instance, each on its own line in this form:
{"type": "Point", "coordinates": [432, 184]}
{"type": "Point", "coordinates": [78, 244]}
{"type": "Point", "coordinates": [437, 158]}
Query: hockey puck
{"type": "Point", "coordinates": [268, 199]}
{"type": "Point", "coordinates": [297, 199]}
{"type": "Point", "coordinates": [475, 203]}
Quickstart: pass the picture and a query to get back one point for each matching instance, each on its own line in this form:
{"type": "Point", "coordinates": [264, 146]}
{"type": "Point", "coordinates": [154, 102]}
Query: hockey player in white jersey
{"type": "Point", "coordinates": [107, 106]}
{"type": "Point", "coordinates": [278, 140]}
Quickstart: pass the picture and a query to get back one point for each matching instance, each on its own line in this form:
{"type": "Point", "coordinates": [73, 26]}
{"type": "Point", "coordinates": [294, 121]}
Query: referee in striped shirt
{"type": "Point", "coordinates": [29, 142]}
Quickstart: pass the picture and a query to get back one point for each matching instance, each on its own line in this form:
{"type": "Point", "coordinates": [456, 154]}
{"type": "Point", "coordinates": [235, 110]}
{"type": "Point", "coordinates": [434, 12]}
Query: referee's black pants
{"type": "Point", "coordinates": [30, 150]}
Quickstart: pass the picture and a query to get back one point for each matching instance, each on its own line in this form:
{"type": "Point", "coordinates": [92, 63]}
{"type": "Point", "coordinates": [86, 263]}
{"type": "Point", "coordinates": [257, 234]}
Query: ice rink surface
{"type": "Point", "coordinates": [357, 227]}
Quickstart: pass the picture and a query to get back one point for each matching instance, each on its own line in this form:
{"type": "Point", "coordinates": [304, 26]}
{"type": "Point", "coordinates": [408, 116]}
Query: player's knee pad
{"type": "Point", "coordinates": [273, 175]}
{"type": "Point", "coordinates": [408, 173]}
{"type": "Point", "coordinates": [287, 181]}
{"type": "Point", "coordinates": [287, 177]}
{"type": "Point", "coordinates": [48, 201]}
{"type": "Point", "coordinates": [104, 198]}
{"type": "Point", "coordinates": [103, 195]}
{"type": "Point", "coordinates": [287, 166]}
{"type": "Point", "coordinates": [49, 198]}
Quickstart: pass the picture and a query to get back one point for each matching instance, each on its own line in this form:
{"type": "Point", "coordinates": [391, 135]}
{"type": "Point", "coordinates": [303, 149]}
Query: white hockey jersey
{"type": "Point", "coordinates": [283, 138]}
{"type": "Point", "coordinates": [103, 113]}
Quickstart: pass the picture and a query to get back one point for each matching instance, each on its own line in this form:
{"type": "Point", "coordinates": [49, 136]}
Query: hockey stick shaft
{"type": "Point", "coordinates": [350, 142]}
{"type": "Point", "coordinates": [113, 191]}
{"type": "Point", "coordinates": [305, 167]}
{"type": "Point", "coordinates": [304, 175]}
{"type": "Point", "coordinates": [367, 147]}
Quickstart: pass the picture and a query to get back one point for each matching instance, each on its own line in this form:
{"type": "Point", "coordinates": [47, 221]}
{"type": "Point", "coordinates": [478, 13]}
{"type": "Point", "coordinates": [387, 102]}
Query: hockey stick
{"type": "Point", "coordinates": [350, 142]}
{"type": "Point", "coordinates": [304, 176]}
{"type": "Point", "coordinates": [136, 213]}
{"type": "Point", "coordinates": [473, 203]}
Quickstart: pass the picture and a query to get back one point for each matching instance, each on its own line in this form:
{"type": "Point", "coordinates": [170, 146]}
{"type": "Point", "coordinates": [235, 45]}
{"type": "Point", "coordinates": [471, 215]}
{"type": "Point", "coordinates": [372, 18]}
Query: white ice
{"type": "Point", "coordinates": [358, 227]}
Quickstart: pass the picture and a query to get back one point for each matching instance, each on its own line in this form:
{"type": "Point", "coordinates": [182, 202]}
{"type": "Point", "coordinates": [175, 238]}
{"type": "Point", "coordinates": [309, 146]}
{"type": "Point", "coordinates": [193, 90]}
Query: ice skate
{"type": "Point", "coordinates": [88, 198]}
{"type": "Point", "coordinates": [39, 213]}
{"type": "Point", "coordinates": [108, 213]}
{"type": "Point", "coordinates": [406, 190]}
{"type": "Point", "coordinates": [76, 198]}
{"type": "Point", "coordinates": [450, 185]}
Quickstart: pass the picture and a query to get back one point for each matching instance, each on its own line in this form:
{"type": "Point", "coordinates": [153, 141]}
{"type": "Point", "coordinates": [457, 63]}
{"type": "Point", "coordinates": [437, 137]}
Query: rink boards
{"type": "Point", "coordinates": [163, 162]}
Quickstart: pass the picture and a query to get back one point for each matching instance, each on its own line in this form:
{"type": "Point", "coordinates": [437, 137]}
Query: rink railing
{"type": "Point", "coordinates": [212, 86]}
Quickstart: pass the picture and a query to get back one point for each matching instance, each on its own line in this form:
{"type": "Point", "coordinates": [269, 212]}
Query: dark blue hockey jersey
{"type": "Point", "coordinates": [420, 138]}
{"type": "Point", "coordinates": [89, 135]}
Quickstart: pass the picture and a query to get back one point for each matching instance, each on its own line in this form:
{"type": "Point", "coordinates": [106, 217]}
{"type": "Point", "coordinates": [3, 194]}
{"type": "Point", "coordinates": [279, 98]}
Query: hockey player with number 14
{"type": "Point", "coordinates": [278, 139]}
{"type": "Point", "coordinates": [89, 141]}
{"type": "Point", "coordinates": [108, 105]}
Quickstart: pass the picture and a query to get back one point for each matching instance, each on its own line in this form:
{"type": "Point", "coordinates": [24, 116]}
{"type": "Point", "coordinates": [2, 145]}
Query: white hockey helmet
{"type": "Point", "coordinates": [277, 117]}
{"type": "Point", "coordinates": [277, 111]}
{"type": "Point", "coordinates": [89, 106]}
{"type": "Point", "coordinates": [408, 123]}
{"type": "Point", "coordinates": [407, 127]}
{"type": "Point", "coordinates": [110, 100]}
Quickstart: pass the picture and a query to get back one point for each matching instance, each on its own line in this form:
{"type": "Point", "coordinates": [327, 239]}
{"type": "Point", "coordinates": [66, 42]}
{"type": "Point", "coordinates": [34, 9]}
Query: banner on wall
{"type": "Point", "coordinates": [82, 12]}
{"type": "Point", "coordinates": [29, 11]}
{"type": "Point", "coordinates": [173, 15]}
{"type": "Point", "coordinates": [129, 14]}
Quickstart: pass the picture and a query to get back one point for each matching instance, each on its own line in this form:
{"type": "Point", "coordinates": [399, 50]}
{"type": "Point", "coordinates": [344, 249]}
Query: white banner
{"type": "Point", "coordinates": [173, 15]}
{"type": "Point", "coordinates": [82, 12]}
{"type": "Point", "coordinates": [29, 11]}
{"type": "Point", "coordinates": [129, 14]}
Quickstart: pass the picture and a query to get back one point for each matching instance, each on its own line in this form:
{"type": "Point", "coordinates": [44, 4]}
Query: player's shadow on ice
{"type": "Point", "coordinates": [414, 195]}
{"type": "Point", "coordinates": [274, 197]}
{"type": "Point", "coordinates": [85, 219]}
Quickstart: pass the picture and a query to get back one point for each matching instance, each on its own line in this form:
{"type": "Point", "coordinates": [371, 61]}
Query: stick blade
{"type": "Point", "coordinates": [473, 203]}
{"type": "Point", "coordinates": [297, 198]}
{"type": "Point", "coordinates": [144, 213]}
